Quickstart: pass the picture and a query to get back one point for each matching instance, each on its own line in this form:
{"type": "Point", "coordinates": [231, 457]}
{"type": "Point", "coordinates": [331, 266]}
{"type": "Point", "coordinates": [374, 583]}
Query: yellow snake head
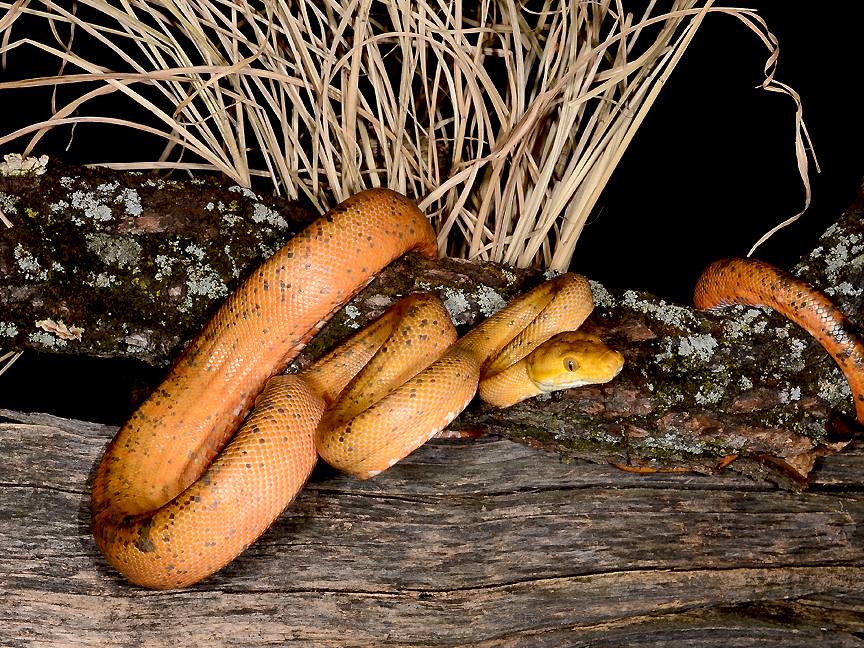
{"type": "Point", "coordinates": [572, 359]}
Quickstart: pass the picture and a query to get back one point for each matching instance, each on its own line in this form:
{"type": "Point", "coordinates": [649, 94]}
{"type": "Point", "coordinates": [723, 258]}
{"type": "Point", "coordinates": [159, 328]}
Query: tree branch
{"type": "Point", "coordinates": [119, 264]}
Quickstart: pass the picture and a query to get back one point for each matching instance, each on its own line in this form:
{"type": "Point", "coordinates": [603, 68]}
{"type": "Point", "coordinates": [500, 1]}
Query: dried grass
{"type": "Point", "coordinates": [504, 119]}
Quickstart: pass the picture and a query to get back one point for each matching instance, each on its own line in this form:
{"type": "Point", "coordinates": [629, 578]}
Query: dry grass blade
{"type": "Point", "coordinates": [504, 119]}
{"type": "Point", "coordinates": [8, 359]}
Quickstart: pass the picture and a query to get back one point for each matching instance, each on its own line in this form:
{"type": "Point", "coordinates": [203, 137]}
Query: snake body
{"type": "Point", "coordinates": [756, 283]}
{"type": "Point", "coordinates": [172, 503]}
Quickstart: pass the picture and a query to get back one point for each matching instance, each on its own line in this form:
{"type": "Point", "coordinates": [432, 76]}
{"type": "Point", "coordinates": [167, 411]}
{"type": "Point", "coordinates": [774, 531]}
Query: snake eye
{"type": "Point", "coordinates": [570, 364]}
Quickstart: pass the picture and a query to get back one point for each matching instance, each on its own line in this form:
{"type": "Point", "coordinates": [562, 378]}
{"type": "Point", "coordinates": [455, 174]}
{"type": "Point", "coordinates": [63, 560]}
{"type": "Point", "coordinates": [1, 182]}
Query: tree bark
{"type": "Point", "coordinates": [118, 264]}
{"type": "Point", "coordinates": [480, 542]}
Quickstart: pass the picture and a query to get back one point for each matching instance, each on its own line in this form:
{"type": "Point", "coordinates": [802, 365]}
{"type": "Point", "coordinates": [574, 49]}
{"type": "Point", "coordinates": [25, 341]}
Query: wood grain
{"type": "Point", "coordinates": [478, 542]}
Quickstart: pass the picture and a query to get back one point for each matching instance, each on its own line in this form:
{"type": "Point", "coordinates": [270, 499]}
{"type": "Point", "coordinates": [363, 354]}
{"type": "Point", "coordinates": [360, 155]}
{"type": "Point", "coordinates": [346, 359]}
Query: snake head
{"type": "Point", "coordinates": [572, 359]}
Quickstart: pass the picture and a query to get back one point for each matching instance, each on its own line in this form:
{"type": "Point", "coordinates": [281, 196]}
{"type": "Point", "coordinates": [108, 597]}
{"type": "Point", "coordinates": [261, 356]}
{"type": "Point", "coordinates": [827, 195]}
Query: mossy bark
{"type": "Point", "coordinates": [110, 264]}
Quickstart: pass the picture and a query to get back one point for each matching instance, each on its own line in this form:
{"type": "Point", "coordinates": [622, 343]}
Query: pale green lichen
{"type": "Point", "coordinates": [103, 280]}
{"type": "Point", "coordinates": [203, 281]}
{"type": "Point", "coordinates": [676, 316]}
{"type": "Point", "coordinates": [264, 214]}
{"type": "Point", "coordinates": [29, 264]}
{"type": "Point", "coordinates": [8, 329]}
{"type": "Point", "coordinates": [672, 441]}
{"type": "Point", "coordinates": [131, 202]}
{"type": "Point", "coordinates": [235, 271]}
{"type": "Point", "coordinates": [245, 191]}
{"type": "Point", "coordinates": [834, 389]}
{"type": "Point", "coordinates": [352, 313]}
{"type": "Point", "coordinates": [841, 255]}
{"type": "Point", "coordinates": [508, 275]}
{"type": "Point", "coordinates": [229, 215]}
{"type": "Point", "coordinates": [793, 354]}
{"type": "Point", "coordinates": [45, 339]}
{"type": "Point", "coordinates": [91, 205]}
{"type": "Point", "coordinates": [162, 183]}
{"type": "Point", "coordinates": [488, 300]}
{"type": "Point", "coordinates": [712, 390]}
{"type": "Point", "coordinates": [844, 288]}
{"type": "Point", "coordinates": [61, 206]}
{"type": "Point", "coordinates": [602, 297]}
{"type": "Point", "coordinates": [164, 265]}
{"type": "Point", "coordinates": [790, 394]}
{"type": "Point", "coordinates": [195, 250]}
{"type": "Point", "coordinates": [749, 320]}
{"type": "Point", "coordinates": [121, 251]}
{"type": "Point", "coordinates": [457, 304]}
{"type": "Point", "coordinates": [701, 346]}
{"type": "Point", "coordinates": [709, 394]}
{"type": "Point", "coordinates": [7, 203]}
{"type": "Point", "coordinates": [267, 250]}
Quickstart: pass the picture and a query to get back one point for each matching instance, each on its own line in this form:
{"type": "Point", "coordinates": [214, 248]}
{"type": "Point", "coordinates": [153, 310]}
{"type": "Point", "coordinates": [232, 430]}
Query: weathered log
{"type": "Point", "coordinates": [479, 542]}
{"type": "Point", "coordinates": [697, 388]}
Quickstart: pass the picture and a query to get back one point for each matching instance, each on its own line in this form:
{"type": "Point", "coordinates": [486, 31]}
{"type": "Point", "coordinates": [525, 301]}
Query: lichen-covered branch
{"type": "Point", "coordinates": [108, 263]}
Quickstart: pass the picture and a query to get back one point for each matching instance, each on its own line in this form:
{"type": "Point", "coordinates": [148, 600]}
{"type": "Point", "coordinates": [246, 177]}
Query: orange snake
{"type": "Point", "coordinates": [170, 505]}
{"type": "Point", "coordinates": [756, 283]}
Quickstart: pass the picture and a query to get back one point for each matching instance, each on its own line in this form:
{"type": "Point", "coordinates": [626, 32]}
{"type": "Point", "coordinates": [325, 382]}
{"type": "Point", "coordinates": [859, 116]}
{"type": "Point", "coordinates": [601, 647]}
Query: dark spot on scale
{"type": "Point", "coordinates": [266, 285]}
{"type": "Point", "coordinates": [143, 542]}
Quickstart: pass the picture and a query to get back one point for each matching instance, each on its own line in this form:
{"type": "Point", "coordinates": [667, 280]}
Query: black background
{"type": "Point", "coordinates": [712, 168]}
